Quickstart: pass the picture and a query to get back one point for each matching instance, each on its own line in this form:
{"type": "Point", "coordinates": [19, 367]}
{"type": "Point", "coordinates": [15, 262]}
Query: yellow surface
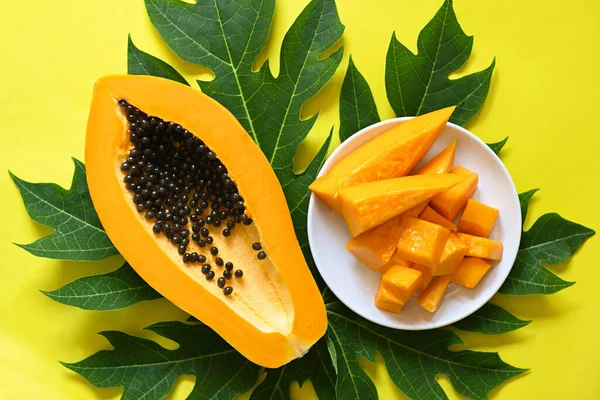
{"type": "Point", "coordinates": [544, 95]}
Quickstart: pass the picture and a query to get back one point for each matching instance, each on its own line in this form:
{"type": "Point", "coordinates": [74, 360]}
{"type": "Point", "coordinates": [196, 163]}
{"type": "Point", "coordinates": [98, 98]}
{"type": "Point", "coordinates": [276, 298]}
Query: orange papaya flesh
{"type": "Point", "coordinates": [422, 242]}
{"type": "Point", "coordinates": [370, 204]}
{"type": "Point", "coordinates": [274, 312]}
{"type": "Point", "coordinates": [395, 260]}
{"type": "Point", "coordinates": [401, 281]}
{"type": "Point", "coordinates": [442, 163]}
{"type": "Point", "coordinates": [453, 254]}
{"type": "Point", "coordinates": [375, 247]}
{"type": "Point", "coordinates": [392, 154]}
{"type": "Point", "coordinates": [482, 247]}
{"type": "Point", "coordinates": [452, 201]}
{"type": "Point", "coordinates": [430, 215]}
{"type": "Point", "coordinates": [478, 219]}
{"type": "Point", "coordinates": [426, 275]}
{"type": "Point", "coordinates": [386, 301]}
{"type": "Point", "coordinates": [470, 271]}
{"type": "Point", "coordinates": [431, 298]}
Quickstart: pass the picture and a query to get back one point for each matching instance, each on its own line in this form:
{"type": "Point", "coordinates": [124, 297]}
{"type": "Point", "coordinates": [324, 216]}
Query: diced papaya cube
{"type": "Point", "coordinates": [370, 204]}
{"type": "Point", "coordinates": [375, 247]}
{"type": "Point", "coordinates": [478, 219]}
{"type": "Point", "coordinates": [453, 200]}
{"type": "Point", "coordinates": [482, 247]}
{"type": "Point", "coordinates": [453, 254]}
{"type": "Point", "coordinates": [386, 301]}
{"type": "Point", "coordinates": [431, 298]}
{"type": "Point", "coordinates": [395, 260]}
{"type": "Point", "coordinates": [422, 242]}
{"type": "Point", "coordinates": [442, 163]}
{"type": "Point", "coordinates": [430, 215]}
{"type": "Point", "coordinates": [392, 154]}
{"type": "Point", "coordinates": [426, 276]}
{"type": "Point", "coordinates": [401, 281]}
{"type": "Point", "coordinates": [470, 271]}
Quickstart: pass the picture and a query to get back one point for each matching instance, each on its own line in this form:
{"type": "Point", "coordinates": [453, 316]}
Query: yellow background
{"type": "Point", "coordinates": [544, 95]}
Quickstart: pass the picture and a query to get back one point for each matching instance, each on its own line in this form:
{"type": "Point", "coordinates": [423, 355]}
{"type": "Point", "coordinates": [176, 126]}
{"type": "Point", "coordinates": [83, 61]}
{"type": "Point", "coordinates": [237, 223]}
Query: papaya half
{"type": "Point", "coordinates": [194, 206]}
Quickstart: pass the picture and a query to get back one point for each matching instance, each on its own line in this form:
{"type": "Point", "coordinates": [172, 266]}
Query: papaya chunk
{"type": "Point", "coordinates": [478, 219]}
{"type": "Point", "coordinates": [426, 275]}
{"type": "Point", "coordinates": [432, 297]}
{"type": "Point", "coordinates": [386, 301]}
{"type": "Point", "coordinates": [470, 271]}
{"type": "Point", "coordinates": [482, 247]}
{"type": "Point", "coordinates": [430, 215]}
{"type": "Point", "coordinates": [395, 260]}
{"type": "Point", "coordinates": [442, 163]}
{"type": "Point", "coordinates": [453, 200]}
{"type": "Point", "coordinates": [392, 154]}
{"type": "Point", "coordinates": [401, 281]}
{"type": "Point", "coordinates": [370, 204]}
{"type": "Point", "coordinates": [422, 242]}
{"type": "Point", "coordinates": [375, 247]}
{"type": "Point", "coordinates": [453, 254]}
{"type": "Point", "coordinates": [142, 129]}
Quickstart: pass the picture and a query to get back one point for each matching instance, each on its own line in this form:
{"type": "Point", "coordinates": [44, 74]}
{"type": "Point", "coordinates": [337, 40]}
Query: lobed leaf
{"type": "Point", "coordinates": [112, 291]}
{"type": "Point", "coordinates": [357, 106]}
{"type": "Point", "coordinates": [413, 360]}
{"type": "Point", "coordinates": [418, 84]}
{"type": "Point", "coordinates": [147, 370]}
{"type": "Point", "coordinates": [552, 239]}
{"type": "Point", "coordinates": [78, 233]}
{"type": "Point", "coordinates": [490, 320]}
{"type": "Point", "coordinates": [141, 63]}
{"type": "Point", "coordinates": [316, 366]}
{"type": "Point", "coordinates": [498, 146]}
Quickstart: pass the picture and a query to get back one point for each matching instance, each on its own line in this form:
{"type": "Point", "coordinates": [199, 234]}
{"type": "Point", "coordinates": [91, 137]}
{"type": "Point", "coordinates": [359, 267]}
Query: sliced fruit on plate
{"type": "Point", "coordinates": [370, 204]}
{"type": "Point", "coordinates": [402, 282]}
{"type": "Point", "coordinates": [422, 242]}
{"type": "Point", "coordinates": [442, 163]}
{"type": "Point", "coordinates": [432, 297]}
{"type": "Point", "coordinates": [452, 201]}
{"type": "Point", "coordinates": [453, 254]}
{"type": "Point", "coordinates": [375, 247]}
{"type": "Point", "coordinates": [482, 247]}
{"type": "Point", "coordinates": [470, 271]}
{"type": "Point", "coordinates": [188, 211]}
{"type": "Point", "coordinates": [430, 215]}
{"type": "Point", "coordinates": [386, 301]}
{"type": "Point", "coordinates": [392, 154]}
{"type": "Point", "coordinates": [478, 219]}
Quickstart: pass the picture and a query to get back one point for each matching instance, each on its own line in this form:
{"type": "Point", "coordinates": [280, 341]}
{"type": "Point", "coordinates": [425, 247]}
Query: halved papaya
{"type": "Point", "coordinates": [179, 187]}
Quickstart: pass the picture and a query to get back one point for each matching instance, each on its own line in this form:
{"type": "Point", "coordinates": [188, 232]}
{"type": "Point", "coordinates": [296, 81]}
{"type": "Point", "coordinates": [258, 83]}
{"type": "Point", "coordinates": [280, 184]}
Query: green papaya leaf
{"type": "Point", "coordinates": [141, 63]}
{"type": "Point", "coordinates": [316, 366]}
{"type": "Point", "coordinates": [497, 147]}
{"type": "Point", "coordinates": [418, 84]}
{"type": "Point", "coordinates": [357, 106]}
{"type": "Point", "coordinates": [490, 320]}
{"type": "Point", "coordinates": [413, 360]}
{"type": "Point", "coordinates": [552, 240]}
{"type": "Point", "coordinates": [112, 291]}
{"type": "Point", "coordinates": [78, 233]}
{"type": "Point", "coordinates": [147, 370]}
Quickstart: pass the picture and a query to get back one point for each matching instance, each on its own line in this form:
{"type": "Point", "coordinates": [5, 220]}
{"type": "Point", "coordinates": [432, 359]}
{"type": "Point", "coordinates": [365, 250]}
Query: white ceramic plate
{"type": "Point", "coordinates": [356, 285]}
